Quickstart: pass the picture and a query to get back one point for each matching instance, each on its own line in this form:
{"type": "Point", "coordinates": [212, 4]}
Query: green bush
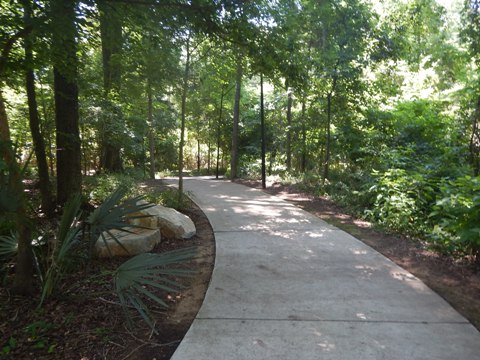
{"type": "Point", "coordinates": [170, 198]}
{"type": "Point", "coordinates": [99, 187]}
{"type": "Point", "coordinates": [402, 201]}
{"type": "Point", "coordinates": [456, 217]}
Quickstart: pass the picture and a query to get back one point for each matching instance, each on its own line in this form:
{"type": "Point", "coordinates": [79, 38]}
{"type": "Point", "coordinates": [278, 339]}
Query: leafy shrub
{"type": "Point", "coordinates": [132, 279]}
{"type": "Point", "coordinates": [456, 216]}
{"type": "Point", "coordinates": [170, 198]}
{"type": "Point", "coordinates": [402, 201]}
{"type": "Point", "coordinates": [351, 190]}
{"type": "Point", "coordinates": [99, 187]}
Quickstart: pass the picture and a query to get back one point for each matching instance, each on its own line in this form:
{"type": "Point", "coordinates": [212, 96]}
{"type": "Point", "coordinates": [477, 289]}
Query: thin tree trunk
{"type": "Point", "coordinates": [304, 139]}
{"type": "Point", "coordinates": [34, 121]}
{"type": "Point", "coordinates": [198, 155]}
{"type": "Point", "coordinates": [262, 129]}
{"type": "Point", "coordinates": [183, 116]}
{"type": "Point", "coordinates": [209, 147]}
{"type": "Point", "coordinates": [326, 164]}
{"type": "Point", "coordinates": [236, 118]}
{"type": "Point", "coordinates": [209, 156]}
{"type": "Point", "coordinates": [475, 141]}
{"type": "Point", "coordinates": [49, 136]}
{"type": "Point", "coordinates": [219, 125]}
{"type": "Point", "coordinates": [69, 171]}
{"type": "Point", "coordinates": [151, 133]}
{"type": "Point", "coordinates": [289, 127]}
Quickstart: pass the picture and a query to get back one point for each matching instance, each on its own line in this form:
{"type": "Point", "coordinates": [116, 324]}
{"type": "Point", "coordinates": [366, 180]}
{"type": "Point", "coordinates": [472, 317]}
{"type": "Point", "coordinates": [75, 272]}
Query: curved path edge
{"type": "Point", "coordinates": [287, 285]}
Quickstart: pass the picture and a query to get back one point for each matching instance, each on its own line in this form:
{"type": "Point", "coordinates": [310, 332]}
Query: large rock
{"type": "Point", "coordinates": [136, 241]}
{"type": "Point", "coordinates": [172, 224]}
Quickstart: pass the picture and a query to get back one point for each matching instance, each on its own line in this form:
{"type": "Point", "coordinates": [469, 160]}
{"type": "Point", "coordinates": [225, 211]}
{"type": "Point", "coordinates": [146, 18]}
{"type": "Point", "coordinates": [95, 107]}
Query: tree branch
{"type": "Point", "coordinates": [9, 45]}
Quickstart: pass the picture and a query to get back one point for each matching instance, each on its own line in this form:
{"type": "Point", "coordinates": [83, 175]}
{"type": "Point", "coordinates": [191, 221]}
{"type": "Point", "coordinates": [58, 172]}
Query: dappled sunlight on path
{"type": "Point", "coordinates": [288, 285]}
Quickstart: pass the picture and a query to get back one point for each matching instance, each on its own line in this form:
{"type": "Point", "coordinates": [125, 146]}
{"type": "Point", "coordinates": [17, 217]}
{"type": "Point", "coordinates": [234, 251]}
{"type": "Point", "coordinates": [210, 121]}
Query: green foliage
{"type": "Point", "coordinates": [402, 200]}
{"type": "Point", "coordinates": [67, 236]}
{"type": "Point", "coordinates": [136, 276]}
{"type": "Point", "coordinates": [132, 277]}
{"type": "Point", "coordinates": [9, 346]}
{"type": "Point", "coordinates": [456, 216]}
{"type": "Point", "coordinates": [38, 335]}
{"type": "Point", "coordinates": [8, 246]}
{"type": "Point", "coordinates": [169, 198]}
{"type": "Point", "coordinates": [8, 249]}
{"type": "Point", "coordinates": [110, 215]}
{"type": "Point", "coordinates": [75, 235]}
{"type": "Point", "coordinates": [99, 187]}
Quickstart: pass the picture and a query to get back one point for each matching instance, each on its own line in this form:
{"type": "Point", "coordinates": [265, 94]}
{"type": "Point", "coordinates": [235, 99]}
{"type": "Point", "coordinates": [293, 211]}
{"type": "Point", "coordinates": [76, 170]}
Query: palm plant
{"type": "Point", "coordinates": [113, 215]}
{"type": "Point", "coordinates": [68, 235]}
{"type": "Point", "coordinates": [8, 249]}
{"type": "Point", "coordinates": [135, 276]}
{"type": "Point", "coordinates": [131, 279]}
{"type": "Point", "coordinates": [8, 246]}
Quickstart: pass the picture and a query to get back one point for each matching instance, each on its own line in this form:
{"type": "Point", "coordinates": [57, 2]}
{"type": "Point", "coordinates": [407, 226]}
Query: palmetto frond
{"type": "Point", "coordinates": [113, 215]}
{"type": "Point", "coordinates": [8, 246]}
{"type": "Point", "coordinates": [67, 236]}
{"type": "Point", "coordinates": [135, 279]}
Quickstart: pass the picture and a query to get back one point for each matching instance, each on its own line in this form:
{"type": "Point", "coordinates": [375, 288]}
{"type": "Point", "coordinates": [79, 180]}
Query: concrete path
{"type": "Point", "coordinates": [287, 285]}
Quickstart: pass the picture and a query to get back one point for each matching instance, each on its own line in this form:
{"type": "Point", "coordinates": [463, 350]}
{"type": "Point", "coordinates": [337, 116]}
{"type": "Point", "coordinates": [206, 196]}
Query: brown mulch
{"type": "Point", "coordinates": [458, 282]}
{"type": "Point", "coordinates": [86, 322]}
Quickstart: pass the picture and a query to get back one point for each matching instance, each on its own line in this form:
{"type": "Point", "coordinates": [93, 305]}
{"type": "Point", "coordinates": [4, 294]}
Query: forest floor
{"type": "Point", "coordinates": [85, 322]}
{"type": "Point", "coordinates": [81, 324]}
{"type": "Point", "coordinates": [458, 282]}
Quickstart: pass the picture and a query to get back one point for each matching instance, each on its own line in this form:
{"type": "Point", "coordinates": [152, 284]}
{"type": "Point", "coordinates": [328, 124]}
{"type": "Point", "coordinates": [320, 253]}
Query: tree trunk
{"type": "Point", "coordinates": [23, 281]}
{"type": "Point", "coordinates": [111, 37]}
{"type": "Point", "coordinates": [326, 163]}
{"type": "Point", "coordinates": [289, 128]}
{"type": "Point", "coordinates": [151, 133]}
{"type": "Point", "coordinates": [219, 125]}
{"type": "Point", "coordinates": [34, 121]}
{"type": "Point", "coordinates": [262, 130]}
{"type": "Point", "coordinates": [199, 159]}
{"type": "Point", "coordinates": [49, 135]}
{"type": "Point", "coordinates": [236, 118]}
{"type": "Point", "coordinates": [183, 115]}
{"type": "Point", "coordinates": [64, 49]}
{"type": "Point", "coordinates": [475, 141]}
{"type": "Point", "coordinates": [304, 139]}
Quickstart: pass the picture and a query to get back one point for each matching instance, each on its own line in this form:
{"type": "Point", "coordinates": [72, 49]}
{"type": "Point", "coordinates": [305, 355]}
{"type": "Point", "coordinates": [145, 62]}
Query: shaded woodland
{"type": "Point", "coordinates": [373, 104]}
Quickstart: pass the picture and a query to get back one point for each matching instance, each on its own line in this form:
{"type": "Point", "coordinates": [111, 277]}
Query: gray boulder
{"type": "Point", "coordinates": [172, 224]}
{"type": "Point", "coordinates": [136, 241]}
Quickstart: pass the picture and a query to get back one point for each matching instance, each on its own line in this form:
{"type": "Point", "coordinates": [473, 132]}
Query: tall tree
{"type": "Point", "coordinates": [65, 63]}
{"type": "Point", "coordinates": [262, 135]}
{"type": "Point", "coordinates": [471, 36]}
{"type": "Point", "coordinates": [12, 197]}
{"type": "Point", "coordinates": [183, 114]}
{"type": "Point", "coordinates": [236, 117]}
{"type": "Point", "coordinates": [112, 40]}
{"type": "Point", "coordinates": [34, 119]}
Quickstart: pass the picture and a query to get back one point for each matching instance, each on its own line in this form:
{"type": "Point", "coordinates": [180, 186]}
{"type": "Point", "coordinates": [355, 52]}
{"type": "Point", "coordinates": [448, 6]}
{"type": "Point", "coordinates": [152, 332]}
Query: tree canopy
{"type": "Point", "coordinates": [373, 103]}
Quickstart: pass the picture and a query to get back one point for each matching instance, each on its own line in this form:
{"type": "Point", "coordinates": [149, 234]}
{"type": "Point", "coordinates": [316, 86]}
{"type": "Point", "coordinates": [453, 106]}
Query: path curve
{"type": "Point", "coordinates": [287, 285]}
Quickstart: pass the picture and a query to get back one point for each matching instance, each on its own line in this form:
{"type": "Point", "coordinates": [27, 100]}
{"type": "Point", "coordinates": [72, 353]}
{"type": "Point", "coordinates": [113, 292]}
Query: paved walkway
{"type": "Point", "coordinates": [287, 285]}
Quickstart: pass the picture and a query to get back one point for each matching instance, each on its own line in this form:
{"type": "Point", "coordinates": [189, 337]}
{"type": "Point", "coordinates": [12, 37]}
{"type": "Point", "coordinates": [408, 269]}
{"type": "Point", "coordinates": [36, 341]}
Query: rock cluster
{"type": "Point", "coordinates": [149, 226]}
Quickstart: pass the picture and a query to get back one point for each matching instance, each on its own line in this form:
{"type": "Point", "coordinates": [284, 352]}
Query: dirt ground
{"type": "Point", "coordinates": [86, 322]}
{"type": "Point", "coordinates": [456, 281]}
